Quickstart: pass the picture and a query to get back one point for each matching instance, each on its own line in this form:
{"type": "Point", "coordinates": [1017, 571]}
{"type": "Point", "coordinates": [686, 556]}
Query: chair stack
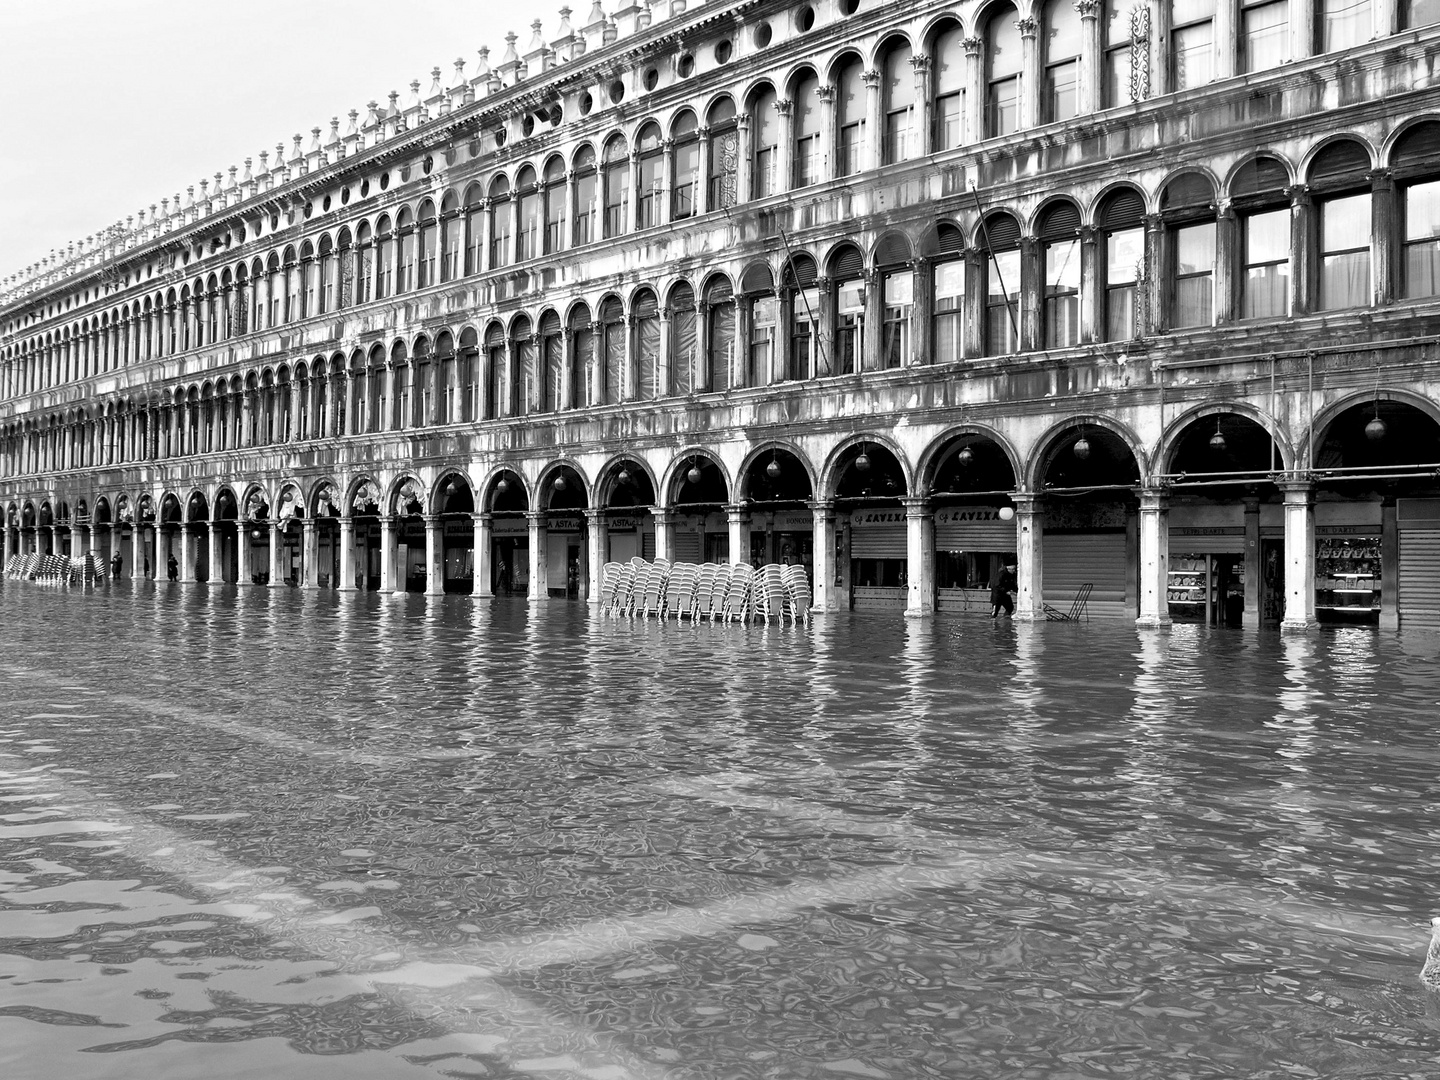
{"type": "Point", "coordinates": [708, 591]}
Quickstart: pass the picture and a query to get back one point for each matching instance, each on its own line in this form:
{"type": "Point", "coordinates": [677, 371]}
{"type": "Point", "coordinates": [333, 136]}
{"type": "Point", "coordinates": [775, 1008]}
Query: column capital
{"type": "Point", "coordinates": [1154, 497]}
{"type": "Point", "coordinates": [1297, 490]}
{"type": "Point", "coordinates": [823, 506]}
{"type": "Point", "coordinates": [481, 519]}
{"type": "Point", "coordinates": [1381, 179]}
{"type": "Point", "coordinates": [536, 518]}
{"type": "Point", "coordinates": [346, 521]}
{"type": "Point", "coordinates": [1028, 26]}
{"type": "Point", "coordinates": [596, 514]}
{"type": "Point", "coordinates": [920, 62]}
{"type": "Point", "coordinates": [663, 515]}
{"type": "Point", "coordinates": [1027, 502]}
{"type": "Point", "coordinates": [915, 505]}
{"type": "Point", "coordinates": [871, 76]}
{"type": "Point", "coordinates": [736, 511]}
{"type": "Point", "coordinates": [431, 520]}
{"type": "Point", "coordinates": [1299, 194]}
{"type": "Point", "coordinates": [826, 92]}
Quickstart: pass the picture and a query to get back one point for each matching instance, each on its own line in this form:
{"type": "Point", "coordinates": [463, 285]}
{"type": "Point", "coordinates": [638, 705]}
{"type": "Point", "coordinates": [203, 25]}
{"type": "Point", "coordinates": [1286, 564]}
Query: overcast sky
{"type": "Point", "coordinates": [111, 105]}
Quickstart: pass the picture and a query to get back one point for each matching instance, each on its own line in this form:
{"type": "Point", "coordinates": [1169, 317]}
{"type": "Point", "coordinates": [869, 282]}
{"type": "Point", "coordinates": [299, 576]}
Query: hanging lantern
{"type": "Point", "coordinates": [773, 469]}
{"type": "Point", "coordinates": [1217, 441]}
{"type": "Point", "coordinates": [693, 474]}
{"type": "Point", "coordinates": [862, 463]}
{"type": "Point", "coordinates": [502, 486]}
{"type": "Point", "coordinates": [623, 478]}
{"type": "Point", "coordinates": [966, 457]}
{"type": "Point", "coordinates": [560, 483]}
{"type": "Point", "coordinates": [451, 487]}
{"type": "Point", "coordinates": [1375, 430]}
{"type": "Point", "coordinates": [1081, 448]}
{"type": "Point", "coordinates": [1007, 513]}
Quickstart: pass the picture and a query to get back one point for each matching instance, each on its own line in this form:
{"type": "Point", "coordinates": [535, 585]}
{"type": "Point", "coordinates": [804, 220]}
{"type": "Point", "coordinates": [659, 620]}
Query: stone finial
{"type": "Point", "coordinates": [611, 32]}
{"type": "Point", "coordinates": [373, 118]}
{"type": "Point", "coordinates": [435, 88]}
{"type": "Point", "coordinates": [537, 43]}
{"type": "Point", "coordinates": [233, 183]}
{"type": "Point", "coordinates": [511, 56]}
{"type": "Point", "coordinates": [394, 109]}
{"type": "Point", "coordinates": [483, 71]}
{"type": "Point", "coordinates": [189, 196]}
{"type": "Point", "coordinates": [354, 128]}
{"type": "Point", "coordinates": [415, 100]}
{"type": "Point", "coordinates": [459, 81]}
{"type": "Point", "coordinates": [565, 29]}
{"type": "Point", "coordinates": [299, 153]}
{"type": "Point", "coordinates": [165, 208]}
{"type": "Point", "coordinates": [334, 131]}
{"type": "Point", "coordinates": [597, 18]}
{"type": "Point", "coordinates": [315, 146]}
{"type": "Point", "coordinates": [248, 174]}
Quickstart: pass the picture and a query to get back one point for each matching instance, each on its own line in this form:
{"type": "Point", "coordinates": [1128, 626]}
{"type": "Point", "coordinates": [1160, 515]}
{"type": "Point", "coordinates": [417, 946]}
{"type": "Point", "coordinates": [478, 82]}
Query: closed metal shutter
{"type": "Point", "coordinates": [687, 547]}
{"type": "Point", "coordinates": [982, 535]}
{"type": "Point", "coordinates": [647, 546]}
{"type": "Point", "coordinates": [1072, 559]}
{"type": "Point", "coordinates": [878, 542]}
{"type": "Point", "coordinates": [1418, 521]}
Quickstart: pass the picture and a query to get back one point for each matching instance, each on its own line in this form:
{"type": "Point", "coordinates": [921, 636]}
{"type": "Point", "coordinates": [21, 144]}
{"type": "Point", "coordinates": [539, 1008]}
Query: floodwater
{"type": "Point", "coordinates": [276, 834]}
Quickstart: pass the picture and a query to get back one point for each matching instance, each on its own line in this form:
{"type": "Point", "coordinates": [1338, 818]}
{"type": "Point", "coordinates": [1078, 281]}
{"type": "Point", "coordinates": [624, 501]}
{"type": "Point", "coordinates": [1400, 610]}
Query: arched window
{"type": "Point", "coordinates": [686, 137]}
{"type": "Point", "coordinates": [527, 192]}
{"type": "Point", "coordinates": [554, 205]}
{"type": "Point", "coordinates": [405, 253]}
{"type": "Point", "coordinates": [275, 293]}
{"type": "Point", "coordinates": [402, 416]}
{"type": "Point", "coordinates": [502, 247]}
{"type": "Point", "coordinates": [765, 140]}
{"type": "Point", "coordinates": [309, 282]}
{"type": "Point", "coordinates": [1002, 73]}
{"type": "Point", "coordinates": [422, 377]}
{"type": "Point", "coordinates": [474, 228]}
{"type": "Point", "coordinates": [586, 208]}
{"type": "Point", "coordinates": [1344, 24]}
{"type": "Point", "coordinates": [1264, 33]}
{"type": "Point", "coordinates": [1416, 165]}
{"type": "Point", "coordinates": [802, 313]}
{"type": "Point", "coordinates": [612, 350]}
{"type": "Point", "coordinates": [384, 259]}
{"type": "Point", "coordinates": [494, 369]}
{"type": "Point", "coordinates": [257, 300]}
{"type": "Point", "coordinates": [849, 116]}
{"type": "Point", "coordinates": [452, 237]}
{"type": "Point", "coordinates": [758, 289]}
{"type": "Point", "coordinates": [1059, 229]}
{"type": "Point", "coordinates": [468, 409]}
{"type": "Point", "coordinates": [1121, 221]}
{"type": "Point", "coordinates": [212, 307]}
{"type": "Point", "coordinates": [364, 263]}
{"type": "Point", "coordinates": [1001, 237]}
{"type": "Point", "coordinates": [185, 319]}
{"type": "Point", "coordinates": [292, 295]}
{"type": "Point", "coordinates": [646, 312]}
{"type": "Point", "coordinates": [328, 276]}
{"type": "Point", "coordinates": [652, 172]}
{"type": "Point", "coordinates": [446, 389]}
{"type": "Point", "coordinates": [428, 231]}
{"type": "Point", "coordinates": [898, 87]}
{"type": "Point", "coordinates": [1192, 43]}
{"type": "Point", "coordinates": [682, 339]}
{"type": "Point", "coordinates": [345, 276]}
{"type": "Point", "coordinates": [615, 179]}
{"type": "Point", "coordinates": [1340, 185]}
{"type": "Point", "coordinates": [720, 348]}
{"type": "Point", "coordinates": [582, 340]}
{"type": "Point", "coordinates": [897, 292]}
{"type": "Point", "coordinates": [1258, 195]}
{"type": "Point", "coordinates": [948, 272]}
{"type": "Point", "coordinates": [1061, 99]}
{"type": "Point", "coordinates": [805, 101]}
{"type": "Point", "coordinates": [723, 181]}
{"type": "Point", "coordinates": [949, 74]}
{"type": "Point", "coordinates": [523, 391]}
{"type": "Point", "coordinates": [847, 272]}
{"type": "Point", "coordinates": [552, 362]}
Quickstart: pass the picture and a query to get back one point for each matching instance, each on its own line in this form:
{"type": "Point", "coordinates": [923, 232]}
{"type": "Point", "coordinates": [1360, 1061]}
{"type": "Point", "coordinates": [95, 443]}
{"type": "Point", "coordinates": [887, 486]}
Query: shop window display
{"type": "Point", "coordinates": [1347, 579]}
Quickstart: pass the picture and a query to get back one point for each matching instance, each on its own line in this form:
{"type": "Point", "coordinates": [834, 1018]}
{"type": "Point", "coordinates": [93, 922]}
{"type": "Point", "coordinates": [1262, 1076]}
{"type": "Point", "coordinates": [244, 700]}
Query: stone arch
{"type": "Point", "coordinates": [1042, 454]}
{"type": "Point", "coordinates": [607, 479]}
{"type": "Point", "coordinates": [411, 488]}
{"type": "Point", "coordinates": [674, 477]}
{"type": "Point", "coordinates": [1315, 435]}
{"type": "Point", "coordinates": [835, 462]}
{"type": "Point", "coordinates": [1164, 452]}
{"type": "Point", "coordinates": [572, 471]}
{"type": "Point", "coordinates": [937, 450]}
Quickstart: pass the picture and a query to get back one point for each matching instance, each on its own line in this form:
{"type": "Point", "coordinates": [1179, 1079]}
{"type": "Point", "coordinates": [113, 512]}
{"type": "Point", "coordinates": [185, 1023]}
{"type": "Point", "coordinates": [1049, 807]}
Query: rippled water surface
{"type": "Point", "coordinates": [279, 834]}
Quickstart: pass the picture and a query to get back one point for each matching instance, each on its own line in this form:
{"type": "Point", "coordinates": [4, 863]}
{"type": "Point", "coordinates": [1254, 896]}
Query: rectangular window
{"type": "Point", "coordinates": [501, 248]}
{"type": "Point", "coordinates": [850, 141]}
{"type": "Point", "coordinates": [895, 331]}
{"type": "Point", "coordinates": [805, 309]}
{"type": "Point", "coordinates": [807, 161]}
{"type": "Point", "coordinates": [617, 194]}
{"type": "Point", "coordinates": [1062, 91]}
{"type": "Point", "coordinates": [1002, 303]}
{"type": "Point", "coordinates": [1124, 261]}
{"type": "Point", "coordinates": [897, 136]}
{"type": "Point", "coordinates": [1422, 240]}
{"type": "Point", "coordinates": [585, 209]}
{"type": "Point", "coordinates": [1194, 301]}
{"type": "Point", "coordinates": [764, 315]}
{"type": "Point", "coordinates": [1265, 34]}
{"type": "Point", "coordinates": [949, 311]}
{"type": "Point", "coordinates": [764, 172]}
{"type": "Point", "coordinates": [1267, 265]}
{"type": "Point", "coordinates": [1004, 106]}
{"type": "Point", "coordinates": [454, 233]}
{"type": "Point", "coordinates": [405, 270]}
{"type": "Point", "coordinates": [687, 167]}
{"type": "Point", "coordinates": [948, 111]}
{"type": "Point", "coordinates": [1118, 16]}
{"type": "Point", "coordinates": [1062, 294]}
{"type": "Point", "coordinates": [1192, 43]}
{"type": "Point", "coordinates": [650, 190]}
{"type": "Point", "coordinates": [1345, 23]}
{"type": "Point", "coordinates": [329, 270]}
{"type": "Point", "coordinates": [1345, 252]}
{"type": "Point", "coordinates": [849, 322]}
{"type": "Point", "coordinates": [475, 225]}
{"type": "Point", "coordinates": [1420, 13]}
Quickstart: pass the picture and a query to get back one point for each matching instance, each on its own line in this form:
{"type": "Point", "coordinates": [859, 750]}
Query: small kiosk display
{"type": "Point", "coordinates": [1347, 579]}
{"type": "Point", "coordinates": [1207, 587]}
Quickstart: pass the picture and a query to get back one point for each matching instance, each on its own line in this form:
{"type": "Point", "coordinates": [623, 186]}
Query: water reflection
{"type": "Point", "coordinates": [298, 832]}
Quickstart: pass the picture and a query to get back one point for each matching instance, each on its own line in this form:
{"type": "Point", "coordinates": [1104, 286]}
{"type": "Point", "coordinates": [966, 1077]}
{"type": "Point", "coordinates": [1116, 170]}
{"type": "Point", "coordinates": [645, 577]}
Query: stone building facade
{"type": "Point", "coordinates": [1138, 296]}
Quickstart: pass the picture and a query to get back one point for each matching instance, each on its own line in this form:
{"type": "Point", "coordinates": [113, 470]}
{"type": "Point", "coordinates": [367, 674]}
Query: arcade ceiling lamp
{"type": "Point", "coordinates": [451, 487]}
{"type": "Point", "coordinates": [862, 462]}
{"type": "Point", "coordinates": [623, 477]}
{"type": "Point", "coordinates": [693, 474]}
{"type": "Point", "coordinates": [560, 483]}
{"type": "Point", "coordinates": [1007, 513]}
{"type": "Point", "coordinates": [1217, 441]}
{"type": "Point", "coordinates": [966, 457]}
{"type": "Point", "coordinates": [1375, 430]}
{"type": "Point", "coordinates": [1081, 449]}
{"type": "Point", "coordinates": [773, 470]}
{"type": "Point", "coordinates": [502, 485]}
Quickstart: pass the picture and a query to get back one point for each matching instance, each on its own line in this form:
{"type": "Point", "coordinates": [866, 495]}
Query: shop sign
{"type": "Point", "coordinates": [967, 514]}
{"type": "Point", "coordinates": [793, 521]}
{"type": "Point", "coordinates": [622, 524]}
{"type": "Point", "coordinates": [563, 522]}
{"type": "Point", "coordinates": [510, 526]}
{"type": "Point", "coordinates": [1209, 530]}
{"type": "Point", "coordinates": [413, 529]}
{"type": "Point", "coordinates": [877, 517]}
{"type": "Point", "coordinates": [459, 528]}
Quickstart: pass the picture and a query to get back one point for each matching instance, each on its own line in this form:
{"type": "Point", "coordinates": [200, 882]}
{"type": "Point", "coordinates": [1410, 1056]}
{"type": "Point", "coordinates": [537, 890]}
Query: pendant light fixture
{"type": "Point", "coordinates": [1081, 449]}
{"type": "Point", "coordinates": [1217, 441]}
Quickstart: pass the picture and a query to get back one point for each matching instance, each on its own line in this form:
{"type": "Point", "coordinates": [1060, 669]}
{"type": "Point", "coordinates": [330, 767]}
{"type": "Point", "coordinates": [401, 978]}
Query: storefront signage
{"type": "Point", "coordinates": [1210, 530]}
{"type": "Point", "coordinates": [878, 517]}
{"type": "Point", "coordinates": [967, 514]}
{"type": "Point", "coordinates": [563, 523]}
{"type": "Point", "coordinates": [459, 528]}
{"type": "Point", "coordinates": [620, 524]}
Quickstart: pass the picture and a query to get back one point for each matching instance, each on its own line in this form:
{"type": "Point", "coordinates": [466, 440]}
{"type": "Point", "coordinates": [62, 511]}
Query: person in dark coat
{"type": "Point", "coordinates": [172, 568]}
{"type": "Point", "coordinates": [1000, 590]}
{"type": "Point", "coordinates": [115, 565]}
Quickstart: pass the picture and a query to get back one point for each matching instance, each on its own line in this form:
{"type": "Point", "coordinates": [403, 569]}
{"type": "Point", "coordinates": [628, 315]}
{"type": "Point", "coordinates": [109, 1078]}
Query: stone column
{"type": "Point", "coordinates": [1032, 293]}
{"type": "Point", "coordinates": [702, 185]}
{"type": "Point", "coordinates": [276, 535]}
{"type": "Point", "coordinates": [598, 542]}
{"type": "Point", "coordinates": [1303, 277]}
{"type": "Point", "coordinates": [1382, 236]}
{"type": "Point", "coordinates": [826, 94]}
{"type": "Point", "coordinates": [187, 553]}
{"type": "Point", "coordinates": [1092, 58]}
{"type": "Point", "coordinates": [1225, 40]}
{"type": "Point", "coordinates": [347, 555]}
{"type": "Point", "coordinates": [823, 361]}
{"type": "Point", "coordinates": [387, 553]}
{"type": "Point", "coordinates": [1386, 16]}
{"type": "Point", "coordinates": [434, 556]}
{"type": "Point", "coordinates": [137, 553]}
{"type": "Point", "coordinates": [922, 313]}
{"type": "Point", "coordinates": [924, 111]}
{"type": "Point", "coordinates": [746, 155]}
{"type": "Point", "coordinates": [785, 152]}
{"type": "Point", "coordinates": [539, 563]}
{"type": "Point", "coordinates": [1251, 615]}
{"type": "Point", "coordinates": [1029, 556]}
{"type": "Point", "coordinates": [1299, 556]}
{"type": "Point", "coordinates": [919, 558]}
{"type": "Point", "coordinates": [1092, 292]}
{"type": "Point", "coordinates": [824, 555]}
{"type": "Point", "coordinates": [1302, 30]}
{"type": "Point", "coordinates": [738, 519]}
{"type": "Point", "coordinates": [1155, 280]}
{"type": "Point", "coordinates": [869, 359]}
{"type": "Point", "coordinates": [872, 152]}
{"type": "Point", "coordinates": [480, 556]}
{"type": "Point", "coordinates": [1227, 254]}
{"type": "Point", "coordinates": [1154, 558]}
{"type": "Point", "coordinates": [309, 553]}
{"type": "Point", "coordinates": [214, 572]}
{"type": "Point", "coordinates": [664, 519]}
{"type": "Point", "coordinates": [1029, 72]}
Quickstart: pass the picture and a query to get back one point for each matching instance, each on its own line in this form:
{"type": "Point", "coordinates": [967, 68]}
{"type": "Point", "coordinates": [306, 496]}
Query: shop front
{"type": "Point", "coordinates": [1418, 526]}
{"type": "Point", "coordinates": [972, 546]}
{"type": "Point", "coordinates": [631, 534]}
{"type": "Point", "coordinates": [564, 555]}
{"type": "Point", "coordinates": [1094, 544]}
{"type": "Point", "coordinates": [1349, 566]}
{"type": "Point", "coordinates": [786, 537]}
{"type": "Point", "coordinates": [1207, 564]}
{"type": "Point", "coordinates": [510, 555]}
{"type": "Point", "coordinates": [876, 543]}
{"type": "Point", "coordinates": [459, 555]}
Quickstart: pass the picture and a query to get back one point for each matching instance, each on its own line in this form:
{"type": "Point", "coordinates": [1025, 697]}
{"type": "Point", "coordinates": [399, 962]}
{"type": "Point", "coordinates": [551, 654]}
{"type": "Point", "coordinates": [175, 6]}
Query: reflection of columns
{"type": "Point", "coordinates": [737, 517]}
{"type": "Point", "coordinates": [1029, 557]}
{"type": "Point", "coordinates": [823, 553]}
{"type": "Point", "coordinates": [480, 555]}
{"type": "Point", "coordinates": [347, 555]}
{"type": "Point", "coordinates": [309, 553]}
{"type": "Point", "coordinates": [664, 519]}
{"type": "Point", "coordinates": [539, 565]}
{"type": "Point", "coordinates": [434, 556]}
{"type": "Point", "coordinates": [213, 572]}
{"type": "Point", "coordinates": [1299, 556]}
{"type": "Point", "coordinates": [187, 552]}
{"type": "Point", "coordinates": [599, 541]}
{"type": "Point", "coordinates": [1154, 558]}
{"type": "Point", "coordinates": [387, 553]}
{"type": "Point", "coordinates": [275, 537]}
{"type": "Point", "coordinates": [137, 553]}
{"type": "Point", "coordinates": [1389, 565]}
{"type": "Point", "coordinates": [919, 558]}
{"type": "Point", "coordinates": [1251, 616]}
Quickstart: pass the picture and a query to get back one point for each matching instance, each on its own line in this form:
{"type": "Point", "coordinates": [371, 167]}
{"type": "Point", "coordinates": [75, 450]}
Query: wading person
{"type": "Point", "coordinates": [172, 568]}
{"type": "Point", "coordinates": [1000, 591]}
{"type": "Point", "coordinates": [115, 566]}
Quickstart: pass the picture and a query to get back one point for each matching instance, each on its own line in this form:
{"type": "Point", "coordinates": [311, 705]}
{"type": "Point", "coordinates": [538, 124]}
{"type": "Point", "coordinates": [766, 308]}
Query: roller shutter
{"type": "Point", "coordinates": [1419, 579]}
{"type": "Point", "coordinates": [877, 540]}
{"type": "Point", "coordinates": [687, 547]}
{"type": "Point", "coordinates": [973, 529]}
{"type": "Point", "coordinates": [1072, 559]}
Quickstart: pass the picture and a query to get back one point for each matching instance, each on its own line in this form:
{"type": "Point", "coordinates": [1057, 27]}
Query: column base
{"type": "Point", "coordinates": [1028, 616]}
{"type": "Point", "coordinates": [1390, 621]}
{"type": "Point", "coordinates": [918, 613]}
{"type": "Point", "coordinates": [1298, 626]}
{"type": "Point", "coordinates": [346, 588]}
{"type": "Point", "coordinates": [1250, 620]}
{"type": "Point", "coordinates": [434, 592]}
{"type": "Point", "coordinates": [1153, 622]}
